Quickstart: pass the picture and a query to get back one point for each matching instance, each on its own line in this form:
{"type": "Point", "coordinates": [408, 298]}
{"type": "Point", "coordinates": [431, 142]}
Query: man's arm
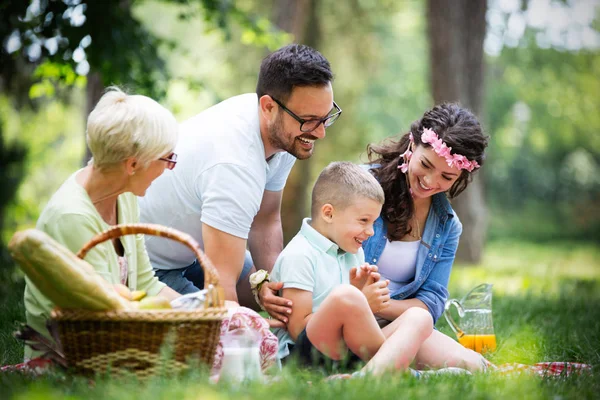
{"type": "Point", "coordinates": [266, 242]}
{"type": "Point", "coordinates": [266, 235]}
{"type": "Point", "coordinates": [227, 254]}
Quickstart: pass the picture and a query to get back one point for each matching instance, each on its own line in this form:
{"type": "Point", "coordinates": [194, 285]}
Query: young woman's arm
{"type": "Point", "coordinates": [302, 311]}
{"type": "Point", "coordinates": [397, 308]}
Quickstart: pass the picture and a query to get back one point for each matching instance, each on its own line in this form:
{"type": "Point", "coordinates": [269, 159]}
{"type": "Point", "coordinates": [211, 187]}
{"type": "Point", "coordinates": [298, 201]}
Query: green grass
{"type": "Point", "coordinates": [546, 308]}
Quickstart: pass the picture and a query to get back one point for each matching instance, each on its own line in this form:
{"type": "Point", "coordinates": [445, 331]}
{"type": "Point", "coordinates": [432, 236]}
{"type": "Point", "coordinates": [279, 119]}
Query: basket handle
{"type": "Point", "coordinates": [210, 273]}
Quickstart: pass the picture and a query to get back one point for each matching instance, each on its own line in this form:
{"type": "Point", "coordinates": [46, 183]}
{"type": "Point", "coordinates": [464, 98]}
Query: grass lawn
{"type": "Point", "coordinates": [546, 308]}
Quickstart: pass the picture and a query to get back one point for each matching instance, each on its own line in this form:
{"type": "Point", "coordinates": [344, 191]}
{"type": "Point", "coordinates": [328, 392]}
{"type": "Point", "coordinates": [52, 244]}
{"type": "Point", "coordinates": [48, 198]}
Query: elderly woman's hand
{"type": "Point", "coordinates": [277, 306]}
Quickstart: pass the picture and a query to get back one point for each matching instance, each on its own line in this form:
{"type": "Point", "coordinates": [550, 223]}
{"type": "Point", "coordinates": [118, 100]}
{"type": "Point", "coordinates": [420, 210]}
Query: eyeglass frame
{"type": "Point", "coordinates": [171, 160]}
{"type": "Point", "coordinates": [302, 121]}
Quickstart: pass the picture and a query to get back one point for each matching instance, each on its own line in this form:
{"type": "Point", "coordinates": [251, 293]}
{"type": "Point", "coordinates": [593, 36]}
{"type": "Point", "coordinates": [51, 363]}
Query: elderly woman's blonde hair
{"type": "Point", "coordinates": [341, 183]}
{"type": "Point", "coordinates": [123, 126]}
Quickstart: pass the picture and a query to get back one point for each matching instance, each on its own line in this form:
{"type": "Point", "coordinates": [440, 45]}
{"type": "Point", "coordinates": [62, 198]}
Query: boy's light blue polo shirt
{"type": "Point", "coordinates": [313, 263]}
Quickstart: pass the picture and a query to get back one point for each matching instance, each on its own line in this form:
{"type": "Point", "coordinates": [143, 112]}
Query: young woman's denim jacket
{"type": "Point", "coordinates": [434, 258]}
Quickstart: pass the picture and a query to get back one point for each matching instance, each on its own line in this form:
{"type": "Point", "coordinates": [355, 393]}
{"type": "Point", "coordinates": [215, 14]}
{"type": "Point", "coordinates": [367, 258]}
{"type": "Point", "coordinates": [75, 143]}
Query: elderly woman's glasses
{"type": "Point", "coordinates": [309, 125]}
{"type": "Point", "coordinates": [171, 160]}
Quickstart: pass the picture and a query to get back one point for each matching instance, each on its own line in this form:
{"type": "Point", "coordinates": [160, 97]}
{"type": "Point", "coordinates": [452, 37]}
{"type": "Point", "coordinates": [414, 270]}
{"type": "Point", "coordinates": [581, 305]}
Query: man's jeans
{"type": "Point", "coordinates": [191, 278]}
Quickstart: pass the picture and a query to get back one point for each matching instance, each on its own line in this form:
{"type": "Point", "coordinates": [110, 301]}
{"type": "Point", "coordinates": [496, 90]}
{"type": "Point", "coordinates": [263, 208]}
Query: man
{"type": "Point", "coordinates": [234, 160]}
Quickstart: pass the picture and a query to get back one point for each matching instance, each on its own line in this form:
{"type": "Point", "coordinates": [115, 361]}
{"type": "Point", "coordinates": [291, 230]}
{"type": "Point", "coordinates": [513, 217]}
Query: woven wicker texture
{"type": "Point", "coordinates": [115, 341]}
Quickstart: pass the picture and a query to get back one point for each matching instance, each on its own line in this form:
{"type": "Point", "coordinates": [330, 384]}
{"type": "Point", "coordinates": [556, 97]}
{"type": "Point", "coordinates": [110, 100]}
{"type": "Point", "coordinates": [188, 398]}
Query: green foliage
{"type": "Point", "coordinates": [88, 37]}
{"type": "Point", "coordinates": [542, 113]}
{"type": "Point", "coordinates": [69, 38]}
{"type": "Point", "coordinates": [378, 52]}
{"type": "Point", "coordinates": [55, 146]}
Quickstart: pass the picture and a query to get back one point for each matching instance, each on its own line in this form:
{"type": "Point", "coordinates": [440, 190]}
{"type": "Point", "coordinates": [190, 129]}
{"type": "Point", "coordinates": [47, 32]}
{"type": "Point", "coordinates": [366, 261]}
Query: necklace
{"type": "Point", "coordinates": [414, 217]}
{"type": "Point", "coordinates": [418, 235]}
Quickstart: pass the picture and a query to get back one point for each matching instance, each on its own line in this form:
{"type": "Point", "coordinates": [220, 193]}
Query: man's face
{"type": "Point", "coordinates": [307, 102]}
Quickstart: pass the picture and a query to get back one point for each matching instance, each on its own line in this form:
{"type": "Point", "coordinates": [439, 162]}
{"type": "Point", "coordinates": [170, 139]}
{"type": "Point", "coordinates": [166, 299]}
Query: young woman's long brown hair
{"type": "Point", "coordinates": [457, 127]}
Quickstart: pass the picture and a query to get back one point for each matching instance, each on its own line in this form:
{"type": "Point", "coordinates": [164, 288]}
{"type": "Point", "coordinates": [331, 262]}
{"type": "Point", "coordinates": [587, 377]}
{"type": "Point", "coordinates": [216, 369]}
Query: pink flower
{"type": "Point", "coordinates": [428, 136]}
{"type": "Point", "coordinates": [441, 149]}
{"type": "Point", "coordinates": [459, 161]}
{"type": "Point", "coordinates": [444, 151]}
{"type": "Point", "coordinates": [437, 145]}
{"type": "Point", "coordinates": [406, 156]}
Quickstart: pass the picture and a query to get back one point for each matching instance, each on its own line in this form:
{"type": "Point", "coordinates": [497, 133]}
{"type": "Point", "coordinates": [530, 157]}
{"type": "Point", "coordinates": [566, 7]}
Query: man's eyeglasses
{"type": "Point", "coordinates": [171, 160]}
{"type": "Point", "coordinates": [309, 125]}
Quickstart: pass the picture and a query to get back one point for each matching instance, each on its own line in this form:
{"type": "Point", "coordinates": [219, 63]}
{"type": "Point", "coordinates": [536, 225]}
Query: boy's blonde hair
{"type": "Point", "coordinates": [340, 183]}
{"type": "Point", "coordinates": [123, 126]}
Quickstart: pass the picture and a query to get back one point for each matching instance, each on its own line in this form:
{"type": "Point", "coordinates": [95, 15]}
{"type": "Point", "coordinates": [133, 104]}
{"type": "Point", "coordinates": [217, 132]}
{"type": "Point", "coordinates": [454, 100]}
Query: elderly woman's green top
{"type": "Point", "coordinates": [72, 219]}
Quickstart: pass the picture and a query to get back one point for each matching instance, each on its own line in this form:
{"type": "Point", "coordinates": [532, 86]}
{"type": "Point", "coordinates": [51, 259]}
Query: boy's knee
{"type": "Point", "coordinates": [422, 318]}
{"type": "Point", "coordinates": [348, 297]}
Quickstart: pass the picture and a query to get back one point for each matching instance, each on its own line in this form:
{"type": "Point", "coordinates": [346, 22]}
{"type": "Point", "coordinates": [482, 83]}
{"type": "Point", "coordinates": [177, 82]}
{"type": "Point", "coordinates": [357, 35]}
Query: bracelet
{"type": "Point", "coordinates": [257, 279]}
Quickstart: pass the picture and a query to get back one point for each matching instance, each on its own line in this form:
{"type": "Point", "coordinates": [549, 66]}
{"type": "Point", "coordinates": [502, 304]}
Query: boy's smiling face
{"type": "Point", "coordinates": [351, 226]}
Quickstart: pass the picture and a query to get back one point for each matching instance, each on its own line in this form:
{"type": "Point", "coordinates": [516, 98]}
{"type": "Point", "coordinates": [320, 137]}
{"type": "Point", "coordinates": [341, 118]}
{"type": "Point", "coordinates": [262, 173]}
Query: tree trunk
{"type": "Point", "coordinates": [456, 34]}
{"type": "Point", "coordinates": [94, 90]}
{"type": "Point", "coordinates": [12, 168]}
{"type": "Point", "coordinates": [300, 18]}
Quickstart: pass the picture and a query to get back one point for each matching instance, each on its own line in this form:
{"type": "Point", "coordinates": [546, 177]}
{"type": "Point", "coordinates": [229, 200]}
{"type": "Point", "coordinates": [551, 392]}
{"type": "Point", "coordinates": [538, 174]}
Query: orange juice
{"type": "Point", "coordinates": [479, 343]}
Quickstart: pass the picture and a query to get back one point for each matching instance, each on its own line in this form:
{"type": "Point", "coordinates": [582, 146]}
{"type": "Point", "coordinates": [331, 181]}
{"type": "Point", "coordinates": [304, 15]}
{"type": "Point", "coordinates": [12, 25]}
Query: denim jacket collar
{"type": "Point", "coordinates": [442, 211]}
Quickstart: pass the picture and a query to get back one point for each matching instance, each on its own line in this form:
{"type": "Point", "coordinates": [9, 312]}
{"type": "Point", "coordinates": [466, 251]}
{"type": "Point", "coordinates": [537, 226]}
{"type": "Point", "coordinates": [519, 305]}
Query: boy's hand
{"type": "Point", "coordinates": [359, 275]}
{"type": "Point", "coordinates": [377, 292]}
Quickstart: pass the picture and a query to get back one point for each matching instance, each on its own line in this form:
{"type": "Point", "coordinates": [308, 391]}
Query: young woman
{"type": "Point", "coordinates": [417, 234]}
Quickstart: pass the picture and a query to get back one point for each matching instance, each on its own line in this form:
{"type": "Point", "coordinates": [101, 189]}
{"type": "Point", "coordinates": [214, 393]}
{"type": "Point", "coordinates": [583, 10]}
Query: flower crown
{"type": "Point", "coordinates": [441, 149]}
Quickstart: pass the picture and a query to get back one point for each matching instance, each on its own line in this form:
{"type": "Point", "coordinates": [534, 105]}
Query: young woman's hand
{"type": "Point", "coordinates": [359, 275]}
{"type": "Point", "coordinates": [278, 307]}
{"type": "Point", "coordinates": [377, 292]}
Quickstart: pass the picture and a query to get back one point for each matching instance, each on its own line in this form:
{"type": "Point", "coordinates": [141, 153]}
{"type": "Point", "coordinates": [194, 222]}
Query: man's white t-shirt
{"type": "Point", "coordinates": [219, 180]}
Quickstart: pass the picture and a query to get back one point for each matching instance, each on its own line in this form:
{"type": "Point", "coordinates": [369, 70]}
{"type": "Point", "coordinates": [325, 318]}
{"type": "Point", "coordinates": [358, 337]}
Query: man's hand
{"type": "Point", "coordinates": [359, 275]}
{"type": "Point", "coordinates": [277, 307]}
{"type": "Point", "coordinates": [275, 323]}
{"type": "Point", "coordinates": [377, 292]}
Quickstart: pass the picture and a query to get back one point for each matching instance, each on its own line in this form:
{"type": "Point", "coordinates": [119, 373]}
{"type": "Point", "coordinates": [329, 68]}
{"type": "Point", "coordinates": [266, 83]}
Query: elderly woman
{"type": "Point", "coordinates": [131, 138]}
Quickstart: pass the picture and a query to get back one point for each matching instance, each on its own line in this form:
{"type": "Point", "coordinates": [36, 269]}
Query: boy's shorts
{"type": "Point", "coordinates": [307, 355]}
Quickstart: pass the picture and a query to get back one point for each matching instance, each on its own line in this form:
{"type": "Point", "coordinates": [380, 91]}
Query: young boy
{"type": "Point", "coordinates": [333, 291]}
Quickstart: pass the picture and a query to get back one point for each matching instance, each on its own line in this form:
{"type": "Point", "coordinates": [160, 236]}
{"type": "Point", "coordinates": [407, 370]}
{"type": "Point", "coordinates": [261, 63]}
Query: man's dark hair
{"type": "Point", "coordinates": [290, 66]}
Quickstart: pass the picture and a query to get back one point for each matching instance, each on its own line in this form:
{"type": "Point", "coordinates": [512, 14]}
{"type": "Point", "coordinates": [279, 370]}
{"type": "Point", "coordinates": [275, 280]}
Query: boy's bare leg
{"type": "Point", "coordinates": [344, 320]}
{"type": "Point", "coordinates": [409, 331]}
{"type": "Point", "coordinates": [440, 351]}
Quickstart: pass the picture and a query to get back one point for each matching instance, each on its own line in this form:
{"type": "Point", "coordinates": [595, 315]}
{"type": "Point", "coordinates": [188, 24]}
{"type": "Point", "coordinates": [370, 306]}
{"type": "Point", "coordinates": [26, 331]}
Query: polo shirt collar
{"type": "Point", "coordinates": [318, 240]}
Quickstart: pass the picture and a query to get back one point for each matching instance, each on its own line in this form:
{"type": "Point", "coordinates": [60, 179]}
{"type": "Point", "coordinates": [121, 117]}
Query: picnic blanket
{"type": "Point", "coordinates": [543, 369]}
{"type": "Point", "coordinates": [554, 368]}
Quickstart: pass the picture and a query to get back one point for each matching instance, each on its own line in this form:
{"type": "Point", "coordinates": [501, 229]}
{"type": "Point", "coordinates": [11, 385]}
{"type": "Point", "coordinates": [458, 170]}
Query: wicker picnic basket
{"type": "Point", "coordinates": [115, 341]}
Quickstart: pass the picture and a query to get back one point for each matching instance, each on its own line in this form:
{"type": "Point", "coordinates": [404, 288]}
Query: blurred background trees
{"type": "Point", "coordinates": [529, 69]}
{"type": "Point", "coordinates": [456, 31]}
